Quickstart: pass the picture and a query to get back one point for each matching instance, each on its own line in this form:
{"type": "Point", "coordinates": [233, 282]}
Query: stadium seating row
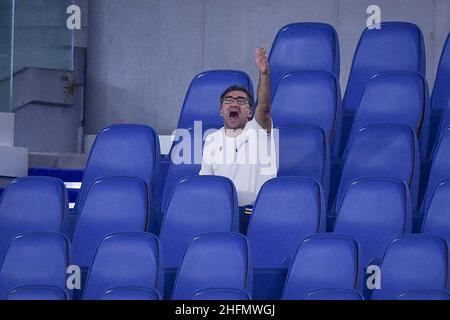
{"type": "Point", "coordinates": [373, 212]}
{"type": "Point", "coordinates": [217, 266]}
{"type": "Point", "coordinates": [357, 169]}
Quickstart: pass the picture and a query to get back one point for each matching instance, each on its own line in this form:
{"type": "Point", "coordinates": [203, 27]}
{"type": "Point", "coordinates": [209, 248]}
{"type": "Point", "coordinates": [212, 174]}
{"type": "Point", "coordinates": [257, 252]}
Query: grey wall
{"type": "Point", "coordinates": [142, 54]}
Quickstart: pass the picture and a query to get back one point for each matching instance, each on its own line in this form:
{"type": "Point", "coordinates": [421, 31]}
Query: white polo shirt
{"type": "Point", "coordinates": [249, 159]}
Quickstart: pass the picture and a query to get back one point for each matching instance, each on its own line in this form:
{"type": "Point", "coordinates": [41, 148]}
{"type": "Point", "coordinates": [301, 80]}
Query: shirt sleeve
{"type": "Point", "coordinates": [256, 126]}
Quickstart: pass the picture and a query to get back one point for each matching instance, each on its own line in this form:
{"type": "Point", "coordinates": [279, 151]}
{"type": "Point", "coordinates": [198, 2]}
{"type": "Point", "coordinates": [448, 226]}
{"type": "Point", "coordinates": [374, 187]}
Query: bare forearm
{"type": "Point", "coordinates": [264, 93]}
{"type": "Point", "coordinates": [263, 115]}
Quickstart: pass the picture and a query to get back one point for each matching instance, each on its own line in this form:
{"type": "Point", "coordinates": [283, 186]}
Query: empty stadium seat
{"type": "Point", "coordinates": [441, 91]}
{"type": "Point", "coordinates": [374, 211]}
{"type": "Point", "coordinates": [288, 210]}
{"type": "Point", "coordinates": [413, 262]}
{"type": "Point", "coordinates": [197, 205]}
{"type": "Point", "coordinates": [35, 259]}
{"type": "Point", "coordinates": [324, 261]}
{"type": "Point", "coordinates": [213, 260]}
{"type": "Point", "coordinates": [383, 151]}
{"type": "Point", "coordinates": [308, 97]}
{"type": "Point", "coordinates": [125, 150]}
{"type": "Point", "coordinates": [222, 294]}
{"type": "Point", "coordinates": [37, 293]}
{"type": "Point", "coordinates": [125, 260]}
{"type": "Point", "coordinates": [440, 168]}
{"type": "Point", "coordinates": [202, 101]}
{"type": "Point", "coordinates": [436, 219]}
{"type": "Point", "coordinates": [112, 205]}
{"type": "Point", "coordinates": [395, 98]}
{"type": "Point", "coordinates": [444, 124]}
{"type": "Point", "coordinates": [131, 293]}
{"type": "Point", "coordinates": [334, 294]}
{"type": "Point", "coordinates": [396, 46]}
{"type": "Point", "coordinates": [304, 46]}
{"type": "Point", "coordinates": [31, 204]}
{"type": "Point", "coordinates": [424, 295]}
{"type": "Point", "coordinates": [304, 151]}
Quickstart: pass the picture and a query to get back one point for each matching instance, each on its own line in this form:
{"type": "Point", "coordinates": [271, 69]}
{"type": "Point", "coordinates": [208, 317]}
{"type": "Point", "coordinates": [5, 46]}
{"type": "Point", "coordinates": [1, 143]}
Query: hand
{"type": "Point", "coordinates": [261, 61]}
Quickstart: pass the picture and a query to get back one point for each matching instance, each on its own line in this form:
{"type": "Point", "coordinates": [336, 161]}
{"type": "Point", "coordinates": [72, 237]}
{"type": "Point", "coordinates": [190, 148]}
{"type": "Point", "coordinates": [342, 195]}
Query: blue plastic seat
{"type": "Point", "coordinates": [308, 98]}
{"type": "Point", "coordinates": [374, 211]}
{"type": "Point", "coordinates": [334, 294]}
{"type": "Point", "coordinates": [445, 120]}
{"type": "Point", "coordinates": [112, 205]}
{"type": "Point", "coordinates": [441, 91]}
{"type": "Point", "coordinates": [222, 294]}
{"type": "Point", "coordinates": [197, 205]}
{"type": "Point", "coordinates": [324, 261]}
{"type": "Point", "coordinates": [437, 219]}
{"type": "Point", "coordinates": [304, 151]}
{"type": "Point", "coordinates": [125, 260]}
{"type": "Point", "coordinates": [35, 259]}
{"type": "Point", "coordinates": [397, 46]}
{"type": "Point", "coordinates": [125, 150]}
{"type": "Point", "coordinates": [424, 295]}
{"type": "Point", "coordinates": [413, 262]}
{"type": "Point", "coordinates": [31, 204]}
{"type": "Point", "coordinates": [440, 168]}
{"type": "Point", "coordinates": [382, 151]}
{"type": "Point", "coordinates": [37, 293]}
{"type": "Point", "coordinates": [213, 260]}
{"type": "Point", "coordinates": [304, 46]}
{"type": "Point", "coordinates": [131, 293]}
{"type": "Point", "coordinates": [395, 98]}
{"type": "Point", "coordinates": [202, 101]}
{"type": "Point", "coordinates": [288, 210]}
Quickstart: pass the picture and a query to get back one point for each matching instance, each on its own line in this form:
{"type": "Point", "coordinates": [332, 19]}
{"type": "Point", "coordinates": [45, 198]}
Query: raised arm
{"type": "Point", "coordinates": [263, 116]}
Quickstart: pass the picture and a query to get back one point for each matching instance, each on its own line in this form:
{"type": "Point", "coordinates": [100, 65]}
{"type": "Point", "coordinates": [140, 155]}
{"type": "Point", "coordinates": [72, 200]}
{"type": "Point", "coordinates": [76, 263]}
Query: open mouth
{"type": "Point", "coordinates": [233, 115]}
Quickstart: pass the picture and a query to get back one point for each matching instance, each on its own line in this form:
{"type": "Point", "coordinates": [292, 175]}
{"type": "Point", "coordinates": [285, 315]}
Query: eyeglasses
{"type": "Point", "coordinates": [241, 101]}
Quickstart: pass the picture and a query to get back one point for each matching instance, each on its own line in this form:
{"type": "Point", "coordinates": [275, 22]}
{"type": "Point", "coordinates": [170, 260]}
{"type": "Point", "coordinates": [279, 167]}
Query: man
{"type": "Point", "coordinates": [244, 149]}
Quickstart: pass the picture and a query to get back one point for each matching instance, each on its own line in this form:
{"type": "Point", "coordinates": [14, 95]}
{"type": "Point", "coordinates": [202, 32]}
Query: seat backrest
{"type": "Point", "coordinates": [213, 260]}
{"type": "Point", "coordinates": [441, 91]}
{"type": "Point", "coordinates": [112, 205]}
{"type": "Point", "coordinates": [396, 46]}
{"type": "Point", "coordinates": [382, 151]}
{"type": "Point", "coordinates": [304, 46]}
{"type": "Point", "coordinates": [437, 220]}
{"type": "Point", "coordinates": [124, 260]}
{"type": "Point", "coordinates": [413, 262]}
{"type": "Point", "coordinates": [222, 294]}
{"type": "Point", "coordinates": [304, 151]}
{"type": "Point", "coordinates": [445, 120]}
{"type": "Point", "coordinates": [131, 293]}
{"type": "Point", "coordinates": [34, 259]}
{"type": "Point", "coordinates": [374, 211]}
{"type": "Point", "coordinates": [125, 150]}
{"type": "Point", "coordinates": [307, 97]}
{"type": "Point", "coordinates": [37, 293]}
{"type": "Point", "coordinates": [440, 167]}
{"type": "Point", "coordinates": [197, 205]}
{"type": "Point", "coordinates": [287, 210]}
{"type": "Point", "coordinates": [202, 101]}
{"type": "Point", "coordinates": [424, 295]}
{"type": "Point", "coordinates": [393, 97]}
{"type": "Point", "coordinates": [31, 204]}
{"type": "Point", "coordinates": [324, 261]}
{"type": "Point", "coordinates": [334, 294]}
